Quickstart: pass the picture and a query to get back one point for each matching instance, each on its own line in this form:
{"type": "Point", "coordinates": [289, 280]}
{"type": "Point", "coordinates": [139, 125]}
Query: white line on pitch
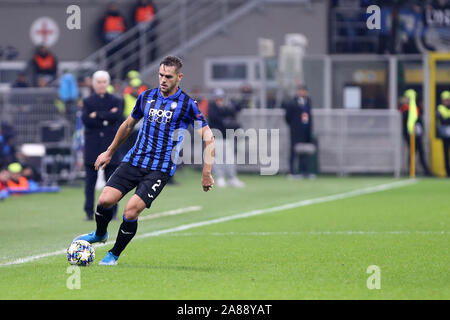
{"type": "Point", "coordinates": [373, 189]}
{"type": "Point", "coordinates": [319, 233]}
{"type": "Point", "coordinates": [169, 213]}
{"type": "Point", "coordinates": [142, 218]}
{"type": "Point", "coordinates": [339, 196]}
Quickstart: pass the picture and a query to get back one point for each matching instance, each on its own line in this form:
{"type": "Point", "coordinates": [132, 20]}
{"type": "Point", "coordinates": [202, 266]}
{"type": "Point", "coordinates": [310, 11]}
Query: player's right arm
{"type": "Point", "coordinates": [125, 130]}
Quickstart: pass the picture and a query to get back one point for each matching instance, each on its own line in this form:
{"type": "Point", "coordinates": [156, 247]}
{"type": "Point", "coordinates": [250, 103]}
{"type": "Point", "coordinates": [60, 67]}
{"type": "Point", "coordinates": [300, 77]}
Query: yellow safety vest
{"type": "Point", "coordinates": [129, 102]}
{"type": "Point", "coordinates": [444, 111]}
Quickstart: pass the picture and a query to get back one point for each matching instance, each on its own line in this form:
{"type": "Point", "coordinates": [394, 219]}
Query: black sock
{"type": "Point", "coordinates": [102, 217]}
{"type": "Point", "coordinates": [126, 232]}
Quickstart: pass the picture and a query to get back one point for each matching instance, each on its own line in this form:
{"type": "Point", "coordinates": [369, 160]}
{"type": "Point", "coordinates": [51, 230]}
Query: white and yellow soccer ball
{"type": "Point", "coordinates": [80, 253]}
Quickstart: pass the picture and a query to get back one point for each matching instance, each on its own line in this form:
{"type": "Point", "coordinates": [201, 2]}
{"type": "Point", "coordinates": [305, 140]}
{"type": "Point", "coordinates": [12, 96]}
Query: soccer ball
{"type": "Point", "coordinates": [81, 253]}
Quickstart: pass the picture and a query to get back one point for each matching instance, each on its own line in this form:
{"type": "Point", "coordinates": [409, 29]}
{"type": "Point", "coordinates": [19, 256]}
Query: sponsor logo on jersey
{"type": "Point", "coordinates": [159, 116]}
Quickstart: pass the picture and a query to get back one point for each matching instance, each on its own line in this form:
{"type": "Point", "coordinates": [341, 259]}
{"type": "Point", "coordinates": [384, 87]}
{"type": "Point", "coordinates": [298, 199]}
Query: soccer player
{"type": "Point", "coordinates": [148, 165]}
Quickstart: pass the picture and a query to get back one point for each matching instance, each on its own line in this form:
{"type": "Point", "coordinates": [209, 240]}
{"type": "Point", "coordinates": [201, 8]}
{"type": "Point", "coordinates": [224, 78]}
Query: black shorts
{"type": "Point", "coordinates": [148, 183]}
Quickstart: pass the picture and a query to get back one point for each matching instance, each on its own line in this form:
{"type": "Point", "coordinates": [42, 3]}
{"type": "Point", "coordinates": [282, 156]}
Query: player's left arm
{"type": "Point", "coordinates": [208, 157]}
{"type": "Point", "coordinates": [201, 127]}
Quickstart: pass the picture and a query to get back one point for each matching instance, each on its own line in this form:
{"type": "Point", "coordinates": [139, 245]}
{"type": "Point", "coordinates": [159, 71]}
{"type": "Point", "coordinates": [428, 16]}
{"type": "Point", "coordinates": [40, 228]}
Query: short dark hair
{"type": "Point", "coordinates": [172, 61]}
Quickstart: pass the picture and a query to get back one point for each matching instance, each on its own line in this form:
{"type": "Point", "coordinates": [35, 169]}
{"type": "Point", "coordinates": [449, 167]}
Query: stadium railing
{"type": "Point", "coordinates": [349, 141]}
{"type": "Point", "coordinates": [181, 24]}
{"type": "Point", "coordinates": [36, 119]}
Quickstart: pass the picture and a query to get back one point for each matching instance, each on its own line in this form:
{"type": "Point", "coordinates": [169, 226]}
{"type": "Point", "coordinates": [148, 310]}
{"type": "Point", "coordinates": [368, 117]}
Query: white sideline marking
{"type": "Point", "coordinates": [169, 213]}
{"type": "Point", "coordinates": [320, 233]}
{"type": "Point", "coordinates": [339, 196]}
{"type": "Point", "coordinates": [145, 217]}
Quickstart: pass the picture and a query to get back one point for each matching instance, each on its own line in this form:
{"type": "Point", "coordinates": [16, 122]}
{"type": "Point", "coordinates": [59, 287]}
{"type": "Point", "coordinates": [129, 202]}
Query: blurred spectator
{"type": "Point", "coordinates": [116, 88]}
{"type": "Point", "coordinates": [4, 177]}
{"type": "Point", "coordinates": [31, 173]}
{"type": "Point", "coordinates": [44, 65]}
{"type": "Point", "coordinates": [21, 81]}
{"type": "Point", "coordinates": [42, 82]}
{"type": "Point", "coordinates": [400, 21]}
{"type": "Point", "coordinates": [418, 131]}
{"type": "Point", "coordinates": [7, 147]}
{"type": "Point", "coordinates": [68, 93]}
{"type": "Point", "coordinates": [85, 90]}
{"type": "Point", "coordinates": [131, 76]}
{"type": "Point", "coordinates": [245, 100]}
{"type": "Point", "coordinates": [350, 20]}
{"type": "Point", "coordinates": [410, 18]}
{"type": "Point", "coordinates": [202, 102]}
{"type": "Point", "coordinates": [222, 117]}
{"type": "Point", "coordinates": [387, 35]}
{"type": "Point", "coordinates": [113, 24]}
{"type": "Point", "coordinates": [68, 87]}
{"type": "Point", "coordinates": [443, 114]}
{"type": "Point", "coordinates": [130, 98]}
{"type": "Point", "coordinates": [436, 21]}
{"type": "Point", "coordinates": [16, 181]}
{"type": "Point", "coordinates": [299, 118]}
{"type": "Point", "coordinates": [85, 86]}
{"type": "Point", "coordinates": [11, 53]}
{"type": "Point", "coordinates": [144, 13]}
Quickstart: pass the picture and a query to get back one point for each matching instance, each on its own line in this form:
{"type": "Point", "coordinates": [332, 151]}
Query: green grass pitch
{"type": "Point", "coordinates": [274, 239]}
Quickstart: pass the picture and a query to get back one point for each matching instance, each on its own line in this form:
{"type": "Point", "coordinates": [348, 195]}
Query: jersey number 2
{"type": "Point", "coordinates": [157, 184]}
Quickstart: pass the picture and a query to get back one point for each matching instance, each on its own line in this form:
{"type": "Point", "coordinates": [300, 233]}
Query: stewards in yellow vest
{"type": "Point", "coordinates": [132, 75]}
{"type": "Point", "coordinates": [131, 96]}
{"type": "Point", "coordinates": [129, 100]}
{"type": "Point", "coordinates": [443, 114]}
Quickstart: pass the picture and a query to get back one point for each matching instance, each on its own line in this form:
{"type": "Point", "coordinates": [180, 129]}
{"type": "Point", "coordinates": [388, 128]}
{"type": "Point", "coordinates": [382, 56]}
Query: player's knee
{"type": "Point", "coordinates": [131, 213]}
{"type": "Point", "coordinates": [106, 201]}
{"type": "Point", "coordinates": [109, 197]}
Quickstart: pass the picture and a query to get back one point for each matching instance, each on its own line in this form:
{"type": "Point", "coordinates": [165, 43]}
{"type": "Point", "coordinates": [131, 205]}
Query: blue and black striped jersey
{"type": "Point", "coordinates": [162, 117]}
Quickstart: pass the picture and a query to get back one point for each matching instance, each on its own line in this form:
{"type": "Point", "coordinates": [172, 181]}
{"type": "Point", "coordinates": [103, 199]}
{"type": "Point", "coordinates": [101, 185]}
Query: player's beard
{"type": "Point", "coordinates": [165, 90]}
{"type": "Point", "coordinates": [168, 89]}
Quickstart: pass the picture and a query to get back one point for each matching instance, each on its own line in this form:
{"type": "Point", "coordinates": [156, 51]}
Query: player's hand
{"type": "Point", "coordinates": [207, 181]}
{"type": "Point", "coordinates": [102, 160]}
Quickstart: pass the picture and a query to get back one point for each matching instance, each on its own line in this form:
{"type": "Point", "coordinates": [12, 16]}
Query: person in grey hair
{"type": "Point", "coordinates": [101, 116]}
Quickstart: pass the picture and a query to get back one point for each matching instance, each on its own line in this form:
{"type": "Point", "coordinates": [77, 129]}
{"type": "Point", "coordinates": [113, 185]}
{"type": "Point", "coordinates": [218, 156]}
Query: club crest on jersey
{"type": "Point", "coordinates": [173, 105]}
{"type": "Point", "coordinates": [159, 116]}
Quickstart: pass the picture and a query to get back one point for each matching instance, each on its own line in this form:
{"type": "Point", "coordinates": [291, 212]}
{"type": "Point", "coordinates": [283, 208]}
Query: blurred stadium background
{"type": "Point", "coordinates": [355, 76]}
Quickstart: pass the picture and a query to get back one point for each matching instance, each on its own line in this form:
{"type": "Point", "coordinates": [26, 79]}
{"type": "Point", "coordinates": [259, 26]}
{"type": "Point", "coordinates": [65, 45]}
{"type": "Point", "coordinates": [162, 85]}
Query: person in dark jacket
{"type": "Point", "coordinates": [111, 27]}
{"type": "Point", "coordinates": [222, 117]}
{"type": "Point", "coordinates": [101, 116]}
{"type": "Point", "coordinates": [113, 24]}
{"type": "Point", "coordinates": [7, 145]}
{"type": "Point", "coordinates": [299, 119]}
{"type": "Point", "coordinates": [21, 81]}
{"type": "Point", "coordinates": [44, 64]}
